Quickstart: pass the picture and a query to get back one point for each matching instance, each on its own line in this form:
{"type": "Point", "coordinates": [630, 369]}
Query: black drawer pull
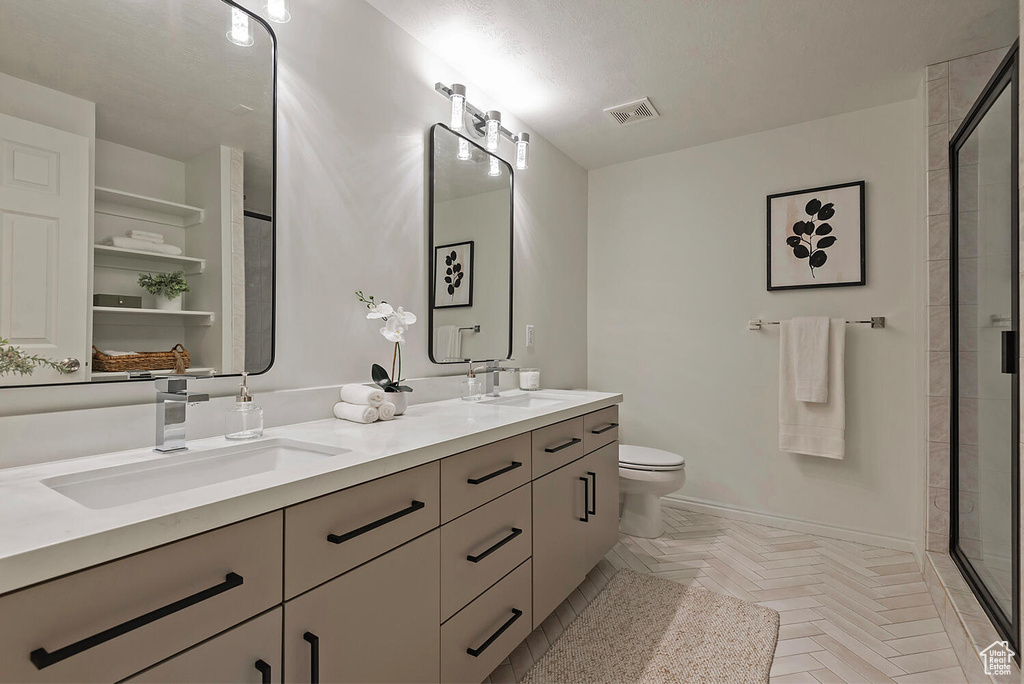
{"type": "Point", "coordinates": [475, 652]}
{"type": "Point", "coordinates": [586, 500]}
{"type": "Point", "coordinates": [1009, 352]}
{"type": "Point", "coordinates": [314, 657]}
{"type": "Point", "coordinates": [339, 538]}
{"type": "Point", "coordinates": [496, 473]}
{"type": "Point", "coordinates": [571, 442]}
{"type": "Point", "coordinates": [42, 658]}
{"type": "Point", "coordinates": [264, 667]}
{"type": "Point", "coordinates": [606, 428]}
{"type": "Point", "coordinates": [593, 498]}
{"type": "Point", "coordinates": [476, 559]}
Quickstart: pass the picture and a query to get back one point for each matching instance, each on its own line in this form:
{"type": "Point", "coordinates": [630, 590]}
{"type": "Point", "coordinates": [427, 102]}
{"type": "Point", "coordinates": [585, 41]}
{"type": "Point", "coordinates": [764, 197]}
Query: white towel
{"type": "Point", "coordinates": [448, 343]}
{"type": "Point", "coordinates": [362, 394]}
{"type": "Point", "coordinates": [387, 411]}
{"type": "Point", "coordinates": [357, 413]}
{"type": "Point", "coordinates": [818, 429]}
{"type": "Point", "coordinates": [118, 353]}
{"type": "Point", "coordinates": [156, 238]}
{"type": "Point", "coordinates": [808, 344]}
{"type": "Point", "coordinates": [131, 243]}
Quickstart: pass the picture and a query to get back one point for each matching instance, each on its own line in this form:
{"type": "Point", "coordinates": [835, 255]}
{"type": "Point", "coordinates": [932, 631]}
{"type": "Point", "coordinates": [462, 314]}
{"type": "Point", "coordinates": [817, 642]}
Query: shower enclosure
{"type": "Point", "coordinates": [984, 287]}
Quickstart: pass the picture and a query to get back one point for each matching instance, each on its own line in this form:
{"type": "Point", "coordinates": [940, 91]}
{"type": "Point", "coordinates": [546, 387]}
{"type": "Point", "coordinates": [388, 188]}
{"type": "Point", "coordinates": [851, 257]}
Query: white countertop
{"type": "Point", "coordinates": [44, 534]}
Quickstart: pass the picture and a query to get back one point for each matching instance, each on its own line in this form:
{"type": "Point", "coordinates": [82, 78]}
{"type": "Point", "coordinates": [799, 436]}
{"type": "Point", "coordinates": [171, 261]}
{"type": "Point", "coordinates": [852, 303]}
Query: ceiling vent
{"type": "Point", "coordinates": [633, 112]}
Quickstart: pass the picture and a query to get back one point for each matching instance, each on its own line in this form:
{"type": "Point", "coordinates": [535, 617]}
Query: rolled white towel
{"type": "Point", "coordinates": [387, 411]}
{"type": "Point", "coordinates": [362, 394]}
{"type": "Point", "coordinates": [357, 413]}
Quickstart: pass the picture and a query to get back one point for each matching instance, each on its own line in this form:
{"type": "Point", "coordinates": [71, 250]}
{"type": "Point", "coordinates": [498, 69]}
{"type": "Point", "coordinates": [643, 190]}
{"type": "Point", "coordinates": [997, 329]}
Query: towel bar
{"type": "Point", "coordinates": [874, 322]}
{"type": "Point", "coordinates": [474, 328]}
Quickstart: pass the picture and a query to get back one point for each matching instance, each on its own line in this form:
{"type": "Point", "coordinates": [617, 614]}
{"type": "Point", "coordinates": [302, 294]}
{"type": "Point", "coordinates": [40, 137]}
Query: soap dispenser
{"type": "Point", "coordinates": [245, 420]}
{"type": "Point", "coordinates": [472, 387]}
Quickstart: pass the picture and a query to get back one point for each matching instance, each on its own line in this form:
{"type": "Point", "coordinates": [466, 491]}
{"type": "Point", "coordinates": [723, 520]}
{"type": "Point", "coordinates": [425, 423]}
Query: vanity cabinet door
{"type": "Point", "coordinates": [249, 653]}
{"type": "Point", "coordinates": [559, 537]}
{"type": "Point", "coordinates": [602, 527]}
{"type": "Point", "coordinates": [377, 623]}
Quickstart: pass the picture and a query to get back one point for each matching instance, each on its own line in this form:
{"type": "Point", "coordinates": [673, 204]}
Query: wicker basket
{"type": "Point", "coordinates": [177, 358]}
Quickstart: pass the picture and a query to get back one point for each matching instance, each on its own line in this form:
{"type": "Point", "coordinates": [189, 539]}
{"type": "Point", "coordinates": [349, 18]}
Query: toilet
{"type": "Point", "coordinates": [645, 475]}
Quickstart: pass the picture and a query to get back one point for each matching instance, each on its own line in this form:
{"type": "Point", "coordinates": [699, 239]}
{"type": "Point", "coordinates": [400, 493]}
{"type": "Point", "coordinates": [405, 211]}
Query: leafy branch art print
{"type": "Point", "coordinates": [809, 241]}
{"type": "Point", "coordinates": [453, 273]}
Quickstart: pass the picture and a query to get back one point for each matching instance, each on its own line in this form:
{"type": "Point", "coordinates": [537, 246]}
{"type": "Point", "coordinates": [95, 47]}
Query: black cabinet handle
{"type": "Point", "coordinates": [42, 658]}
{"type": "Point", "coordinates": [593, 498]}
{"type": "Point", "coordinates": [475, 652]}
{"type": "Point", "coordinates": [264, 668]}
{"type": "Point", "coordinates": [571, 442]}
{"type": "Point", "coordinates": [496, 473]}
{"type": "Point", "coordinates": [314, 657]}
{"type": "Point", "coordinates": [1009, 339]}
{"type": "Point", "coordinates": [476, 559]}
{"type": "Point", "coordinates": [339, 538]}
{"type": "Point", "coordinates": [606, 428]}
{"type": "Point", "coordinates": [586, 500]}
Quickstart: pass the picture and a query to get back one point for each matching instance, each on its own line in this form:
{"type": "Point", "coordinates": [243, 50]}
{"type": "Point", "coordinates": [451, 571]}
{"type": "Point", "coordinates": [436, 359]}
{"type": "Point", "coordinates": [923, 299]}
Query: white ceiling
{"type": "Point", "coordinates": [162, 74]}
{"type": "Point", "coordinates": [714, 69]}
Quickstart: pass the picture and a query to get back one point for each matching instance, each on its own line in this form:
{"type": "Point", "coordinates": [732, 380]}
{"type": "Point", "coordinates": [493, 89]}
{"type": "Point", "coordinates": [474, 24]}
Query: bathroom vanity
{"type": "Point", "coordinates": [425, 549]}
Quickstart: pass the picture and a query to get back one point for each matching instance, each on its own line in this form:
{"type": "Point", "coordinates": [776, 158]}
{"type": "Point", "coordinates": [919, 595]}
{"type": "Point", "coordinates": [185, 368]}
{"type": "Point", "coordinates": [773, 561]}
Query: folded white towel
{"type": "Point", "coordinates": [357, 413]}
{"type": "Point", "coordinates": [142, 245]}
{"type": "Point", "coordinates": [448, 343]}
{"type": "Point", "coordinates": [145, 235]}
{"type": "Point", "coordinates": [118, 353]}
{"type": "Point", "coordinates": [362, 394]}
{"type": "Point", "coordinates": [818, 429]}
{"type": "Point", "coordinates": [808, 344]}
{"type": "Point", "coordinates": [387, 411]}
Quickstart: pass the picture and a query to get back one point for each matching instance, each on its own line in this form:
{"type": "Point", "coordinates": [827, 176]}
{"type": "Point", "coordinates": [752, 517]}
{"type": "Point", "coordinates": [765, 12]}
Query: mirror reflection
{"type": "Point", "coordinates": [138, 190]}
{"type": "Point", "coordinates": [471, 251]}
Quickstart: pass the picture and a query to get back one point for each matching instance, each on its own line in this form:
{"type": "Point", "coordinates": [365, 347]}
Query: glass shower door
{"type": "Point", "coordinates": [984, 292]}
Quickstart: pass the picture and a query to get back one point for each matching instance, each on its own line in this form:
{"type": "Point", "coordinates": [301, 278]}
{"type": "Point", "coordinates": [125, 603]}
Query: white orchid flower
{"type": "Point", "coordinates": [406, 317]}
{"type": "Point", "coordinates": [394, 330]}
{"type": "Point", "coordinates": [382, 310]}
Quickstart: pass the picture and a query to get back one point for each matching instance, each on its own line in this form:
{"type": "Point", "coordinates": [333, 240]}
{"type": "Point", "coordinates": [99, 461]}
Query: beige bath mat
{"type": "Point", "coordinates": [643, 628]}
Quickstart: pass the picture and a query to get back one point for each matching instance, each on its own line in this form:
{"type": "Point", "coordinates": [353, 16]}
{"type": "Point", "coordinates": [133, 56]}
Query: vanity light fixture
{"type": "Point", "coordinates": [495, 169]}
{"type": "Point", "coordinates": [241, 32]}
{"type": "Point", "coordinates": [464, 154]}
{"type": "Point", "coordinates": [492, 129]}
{"type": "Point", "coordinates": [277, 11]}
{"type": "Point", "coordinates": [458, 98]}
{"type": "Point", "coordinates": [523, 151]}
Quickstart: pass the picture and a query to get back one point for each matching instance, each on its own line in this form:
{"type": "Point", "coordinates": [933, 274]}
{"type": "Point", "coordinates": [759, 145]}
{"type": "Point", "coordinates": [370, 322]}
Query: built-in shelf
{"type": "Point", "coordinates": [141, 260]}
{"type": "Point", "coordinates": [128, 375]}
{"type": "Point", "coordinates": [189, 317]}
{"type": "Point", "coordinates": [139, 207]}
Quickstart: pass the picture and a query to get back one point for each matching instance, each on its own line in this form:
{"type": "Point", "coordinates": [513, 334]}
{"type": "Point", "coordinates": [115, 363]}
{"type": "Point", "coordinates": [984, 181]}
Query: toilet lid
{"type": "Point", "coordinates": [646, 458]}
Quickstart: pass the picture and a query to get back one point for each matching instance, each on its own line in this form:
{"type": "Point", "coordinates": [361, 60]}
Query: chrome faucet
{"type": "Point", "coordinates": [492, 379]}
{"type": "Point", "coordinates": [172, 396]}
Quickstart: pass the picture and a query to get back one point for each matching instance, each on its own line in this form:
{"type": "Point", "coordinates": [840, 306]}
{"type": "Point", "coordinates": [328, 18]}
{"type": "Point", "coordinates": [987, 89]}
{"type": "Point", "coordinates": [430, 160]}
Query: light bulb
{"type": "Point", "coordinates": [463, 149]}
{"type": "Point", "coordinates": [277, 11]}
{"type": "Point", "coordinates": [523, 151]}
{"type": "Point", "coordinates": [458, 97]}
{"type": "Point", "coordinates": [495, 170]}
{"type": "Point", "coordinates": [240, 33]}
{"type": "Point", "coordinates": [493, 126]}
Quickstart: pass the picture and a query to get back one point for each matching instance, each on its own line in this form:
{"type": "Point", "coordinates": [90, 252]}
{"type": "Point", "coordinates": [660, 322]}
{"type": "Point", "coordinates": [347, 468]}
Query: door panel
{"type": "Point", "coordinates": [602, 528]}
{"type": "Point", "coordinates": [559, 540]}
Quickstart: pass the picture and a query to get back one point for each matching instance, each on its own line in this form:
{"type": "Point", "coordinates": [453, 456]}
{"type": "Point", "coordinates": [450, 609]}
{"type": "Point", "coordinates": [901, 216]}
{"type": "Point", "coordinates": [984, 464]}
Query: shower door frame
{"type": "Point", "coordinates": [1005, 78]}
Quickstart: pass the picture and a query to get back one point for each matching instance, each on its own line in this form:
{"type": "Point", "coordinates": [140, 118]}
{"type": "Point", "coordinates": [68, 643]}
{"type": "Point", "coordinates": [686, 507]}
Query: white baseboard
{"type": "Point", "coordinates": [797, 525]}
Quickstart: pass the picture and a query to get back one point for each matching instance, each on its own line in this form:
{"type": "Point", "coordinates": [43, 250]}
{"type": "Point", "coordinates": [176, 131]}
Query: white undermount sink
{"type": "Point", "coordinates": [532, 400]}
{"type": "Point", "coordinates": [161, 475]}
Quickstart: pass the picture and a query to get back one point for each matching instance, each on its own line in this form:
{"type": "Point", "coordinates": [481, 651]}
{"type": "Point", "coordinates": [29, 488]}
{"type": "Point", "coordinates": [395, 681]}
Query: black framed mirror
{"type": "Point", "coordinates": [472, 249]}
{"type": "Point", "coordinates": [985, 375]}
{"type": "Point", "coordinates": [139, 229]}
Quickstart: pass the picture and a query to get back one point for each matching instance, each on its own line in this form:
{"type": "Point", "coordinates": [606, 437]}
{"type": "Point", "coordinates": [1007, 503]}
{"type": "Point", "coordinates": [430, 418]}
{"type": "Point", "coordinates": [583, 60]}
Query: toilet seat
{"type": "Point", "coordinates": [648, 459]}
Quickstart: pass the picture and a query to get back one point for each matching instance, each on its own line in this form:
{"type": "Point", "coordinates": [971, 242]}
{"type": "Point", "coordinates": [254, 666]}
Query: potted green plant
{"type": "Point", "coordinates": [168, 288]}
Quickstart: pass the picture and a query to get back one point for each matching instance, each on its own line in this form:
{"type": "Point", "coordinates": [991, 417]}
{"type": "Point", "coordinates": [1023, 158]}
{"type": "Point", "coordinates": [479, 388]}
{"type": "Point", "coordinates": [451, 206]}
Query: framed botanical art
{"type": "Point", "coordinates": [816, 237]}
{"type": "Point", "coordinates": [453, 275]}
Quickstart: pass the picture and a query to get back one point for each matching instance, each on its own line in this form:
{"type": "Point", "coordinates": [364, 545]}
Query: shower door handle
{"type": "Point", "coordinates": [1009, 338]}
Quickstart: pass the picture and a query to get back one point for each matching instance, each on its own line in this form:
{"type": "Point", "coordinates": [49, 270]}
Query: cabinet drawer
{"type": "Point", "coordinates": [239, 655]}
{"type": "Point", "coordinates": [108, 622]}
{"type": "Point", "coordinates": [483, 633]}
{"type": "Point", "coordinates": [600, 428]}
{"type": "Point", "coordinates": [473, 478]}
{"type": "Point", "coordinates": [481, 547]}
{"type": "Point", "coordinates": [556, 445]}
{"type": "Point", "coordinates": [330, 535]}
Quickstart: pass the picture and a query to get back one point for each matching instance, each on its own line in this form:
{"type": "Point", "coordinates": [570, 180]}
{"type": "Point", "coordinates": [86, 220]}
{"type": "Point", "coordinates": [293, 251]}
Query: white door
{"type": "Point", "coordinates": [44, 246]}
